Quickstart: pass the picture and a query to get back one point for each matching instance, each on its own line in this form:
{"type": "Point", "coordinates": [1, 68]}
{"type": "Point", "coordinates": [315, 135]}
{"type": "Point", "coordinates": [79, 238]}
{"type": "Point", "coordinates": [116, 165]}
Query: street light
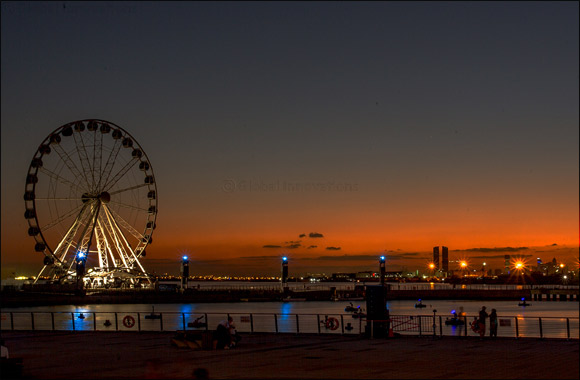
{"type": "Point", "coordinates": [184, 271]}
{"type": "Point", "coordinates": [382, 269]}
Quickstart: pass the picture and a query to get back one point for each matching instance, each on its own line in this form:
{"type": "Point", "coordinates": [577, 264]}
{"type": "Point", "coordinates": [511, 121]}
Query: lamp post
{"type": "Point", "coordinates": [284, 273]}
{"type": "Point", "coordinates": [382, 269]}
{"type": "Point", "coordinates": [80, 263]}
{"type": "Point", "coordinates": [184, 272]}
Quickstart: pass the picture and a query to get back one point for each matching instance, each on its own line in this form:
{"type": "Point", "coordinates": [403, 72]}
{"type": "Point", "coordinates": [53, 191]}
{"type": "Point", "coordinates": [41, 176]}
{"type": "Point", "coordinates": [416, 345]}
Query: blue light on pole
{"type": "Point", "coordinates": [284, 258]}
{"type": "Point", "coordinates": [382, 259]}
{"type": "Point", "coordinates": [184, 258]}
{"type": "Point", "coordinates": [80, 255]}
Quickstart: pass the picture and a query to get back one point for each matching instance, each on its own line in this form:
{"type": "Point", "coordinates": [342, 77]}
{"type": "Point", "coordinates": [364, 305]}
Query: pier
{"type": "Point", "coordinates": [290, 356]}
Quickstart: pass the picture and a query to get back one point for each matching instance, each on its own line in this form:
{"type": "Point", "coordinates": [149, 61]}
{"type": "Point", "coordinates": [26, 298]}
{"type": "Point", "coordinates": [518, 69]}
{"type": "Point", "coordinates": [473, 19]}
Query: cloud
{"type": "Point", "coordinates": [345, 257]}
{"type": "Point", "coordinates": [333, 248]}
{"type": "Point", "coordinates": [491, 257]}
{"type": "Point", "coordinates": [496, 249]}
{"type": "Point", "coordinates": [293, 246]}
{"type": "Point", "coordinates": [272, 246]}
{"type": "Point", "coordinates": [315, 235]}
{"type": "Point", "coordinates": [312, 246]}
{"type": "Point", "coordinates": [302, 235]}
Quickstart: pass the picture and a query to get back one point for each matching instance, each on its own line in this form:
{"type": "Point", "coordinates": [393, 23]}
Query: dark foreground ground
{"type": "Point", "coordinates": [130, 355]}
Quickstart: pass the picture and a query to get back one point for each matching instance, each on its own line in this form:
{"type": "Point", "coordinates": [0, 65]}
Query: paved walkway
{"type": "Point", "coordinates": [132, 355]}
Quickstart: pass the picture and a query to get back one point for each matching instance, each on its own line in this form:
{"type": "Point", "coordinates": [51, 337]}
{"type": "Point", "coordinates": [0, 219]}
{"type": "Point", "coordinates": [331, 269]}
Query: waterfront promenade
{"type": "Point", "coordinates": [122, 355]}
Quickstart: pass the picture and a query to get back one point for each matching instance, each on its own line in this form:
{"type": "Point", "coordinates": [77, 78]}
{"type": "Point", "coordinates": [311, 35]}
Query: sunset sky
{"type": "Point", "coordinates": [377, 127]}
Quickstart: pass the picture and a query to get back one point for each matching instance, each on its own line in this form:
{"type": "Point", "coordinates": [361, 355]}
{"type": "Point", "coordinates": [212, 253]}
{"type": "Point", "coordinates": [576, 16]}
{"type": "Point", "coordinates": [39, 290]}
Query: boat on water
{"type": "Point", "coordinates": [288, 299]}
{"type": "Point", "coordinates": [351, 308]}
{"type": "Point", "coordinates": [524, 303]}
{"type": "Point", "coordinates": [420, 304]}
{"type": "Point", "coordinates": [153, 315]}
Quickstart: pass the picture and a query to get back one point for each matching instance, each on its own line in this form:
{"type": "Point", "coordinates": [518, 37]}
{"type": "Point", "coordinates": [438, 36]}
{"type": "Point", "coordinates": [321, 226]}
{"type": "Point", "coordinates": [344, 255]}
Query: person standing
{"type": "Point", "coordinates": [493, 324]}
{"type": "Point", "coordinates": [5, 354]}
{"type": "Point", "coordinates": [482, 317]}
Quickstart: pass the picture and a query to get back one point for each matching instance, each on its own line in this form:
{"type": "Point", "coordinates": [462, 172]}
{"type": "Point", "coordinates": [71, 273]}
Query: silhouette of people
{"type": "Point", "coordinates": [493, 324]}
{"type": "Point", "coordinates": [5, 354]}
{"type": "Point", "coordinates": [234, 336]}
{"type": "Point", "coordinates": [223, 335]}
{"type": "Point", "coordinates": [482, 317]}
{"type": "Point", "coordinates": [200, 373]}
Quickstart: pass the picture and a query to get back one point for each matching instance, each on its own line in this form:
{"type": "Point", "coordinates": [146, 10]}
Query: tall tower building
{"type": "Point", "coordinates": [445, 259]}
{"type": "Point", "coordinates": [506, 268]}
{"type": "Point", "coordinates": [436, 257]}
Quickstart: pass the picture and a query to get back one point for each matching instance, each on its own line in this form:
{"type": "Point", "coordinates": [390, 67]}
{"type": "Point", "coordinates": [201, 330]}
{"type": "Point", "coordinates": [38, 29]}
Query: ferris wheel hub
{"type": "Point", "coordinates": [105, 197]}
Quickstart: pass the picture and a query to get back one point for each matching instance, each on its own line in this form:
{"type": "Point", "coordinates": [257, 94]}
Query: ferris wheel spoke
{"type": "Point", "coordinates": [106, 173]}
{"type": "Point", "coordinates": [121, 173]}
{"type": "Point", "coordinates": [83, 157]}
{"type": "Point", "coordinates": [129, 206]}
{"type": "Point", "coordinates": [62, 180]}
{"type": "Point", "coordinates": [68, 161]}
{"type": "Point", "coordinates": [128, 189]}
{"type": "Point", "coordinates": [63, 217]}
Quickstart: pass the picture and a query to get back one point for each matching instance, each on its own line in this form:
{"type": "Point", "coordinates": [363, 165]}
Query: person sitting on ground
{"type": "Point", "coordinates": [223, 336]}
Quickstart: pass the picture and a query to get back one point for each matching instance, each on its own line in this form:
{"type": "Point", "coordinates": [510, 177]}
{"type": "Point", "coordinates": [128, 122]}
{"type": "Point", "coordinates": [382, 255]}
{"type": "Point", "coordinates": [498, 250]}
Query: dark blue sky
{"type": "Point", "coordinates": [462, 109]}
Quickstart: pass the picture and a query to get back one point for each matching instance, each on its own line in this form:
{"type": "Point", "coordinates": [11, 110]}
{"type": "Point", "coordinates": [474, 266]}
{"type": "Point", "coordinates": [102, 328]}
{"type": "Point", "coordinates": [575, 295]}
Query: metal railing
{"type": "Point", "coordinates": [348, 324]}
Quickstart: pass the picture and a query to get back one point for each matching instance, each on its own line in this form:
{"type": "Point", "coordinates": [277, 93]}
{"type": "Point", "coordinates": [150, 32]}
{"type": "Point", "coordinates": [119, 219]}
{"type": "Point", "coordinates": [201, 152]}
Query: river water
{"type": "Point", "coordinates": [560, 309]}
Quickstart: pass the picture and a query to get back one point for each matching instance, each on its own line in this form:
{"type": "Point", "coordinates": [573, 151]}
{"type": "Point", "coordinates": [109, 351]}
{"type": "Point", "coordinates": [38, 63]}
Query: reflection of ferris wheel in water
{"type": "Point", "coordinates": [91, 205]}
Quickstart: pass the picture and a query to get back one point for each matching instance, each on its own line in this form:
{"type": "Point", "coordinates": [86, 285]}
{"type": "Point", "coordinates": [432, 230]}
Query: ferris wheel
{"type": "Point", "coordinates": [91, 205]}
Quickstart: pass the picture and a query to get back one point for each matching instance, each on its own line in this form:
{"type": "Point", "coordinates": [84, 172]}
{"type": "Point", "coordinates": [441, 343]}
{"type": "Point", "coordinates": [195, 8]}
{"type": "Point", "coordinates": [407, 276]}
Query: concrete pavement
{"type": "Point", "coordinates": [132, 355]}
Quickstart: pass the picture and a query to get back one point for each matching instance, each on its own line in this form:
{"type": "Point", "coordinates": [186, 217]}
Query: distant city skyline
{"type": "Point", "coordinates": [330, 132]}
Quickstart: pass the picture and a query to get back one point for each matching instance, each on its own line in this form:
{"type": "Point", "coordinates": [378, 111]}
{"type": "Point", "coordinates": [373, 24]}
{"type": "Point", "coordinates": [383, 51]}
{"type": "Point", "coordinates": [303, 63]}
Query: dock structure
{"type": "Point", "coordinates": [541, 294]}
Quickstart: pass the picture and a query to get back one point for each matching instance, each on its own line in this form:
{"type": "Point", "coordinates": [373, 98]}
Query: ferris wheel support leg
{"type": "Point", "coordinates": [39, 273]}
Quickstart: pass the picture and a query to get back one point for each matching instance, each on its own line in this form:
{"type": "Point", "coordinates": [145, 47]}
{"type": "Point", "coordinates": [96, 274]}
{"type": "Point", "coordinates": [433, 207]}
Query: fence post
{"type": "Point", "coordinates": [317, 320]}
{"type": "Point", "coordinates": [440, 327]}
{"type": "Point", "coordinates": [138, 321]}
{"type": "Point", "coordinates": [465, 323]}
{"type": "Point", "coordinates": [206, 323]}
{"type": "Point", "coordinates": [12, 321]}
{"type": "Point", "coordinates": [94, 321]}
{"type": "Point", "coordinates": [72, 317]}
{"type": "Point", "coordinates": [52, 318]}
{"type": "Point", "coordinates": [276, 322]}
{"type": "Point", "coordinates": [116, 323]}
{"type": "Point", "coordinates": [161, 321]}
{"type": "Point", "coordinates": [568, 328]}
{"type": "Point", "coordinates": [297, 324]}
{"type": "Point", "coordinates": [32, 320]}
{"type": "Point", "coordinates": [420, 326]}
{"type": "Point", "coordinates": [342, 323]}
{"type": "Point", "coordinates": [517, 328]}
{"type": "Point", "coordinates": [541, 332]}
{"type": "Point", "coordinates": [183, 320]}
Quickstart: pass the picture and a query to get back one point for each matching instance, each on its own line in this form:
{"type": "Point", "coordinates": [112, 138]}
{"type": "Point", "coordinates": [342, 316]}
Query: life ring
{"type": "Point", "coordinates": [128, 321]}
{"type": "Point", "coordinates": [475, 326]}
{"type": "Point", "coordinates": [332, 323]}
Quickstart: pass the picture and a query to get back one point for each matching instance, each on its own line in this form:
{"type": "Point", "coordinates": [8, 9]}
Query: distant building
{"type": "Point", "coordinates": [343, 276]}
{"type": "Point", "coordinates": [506, 268]}
{"type": "Point", "coordinates": [436, 257]}
{"type": "Point", "coordinates": [445, 259]}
